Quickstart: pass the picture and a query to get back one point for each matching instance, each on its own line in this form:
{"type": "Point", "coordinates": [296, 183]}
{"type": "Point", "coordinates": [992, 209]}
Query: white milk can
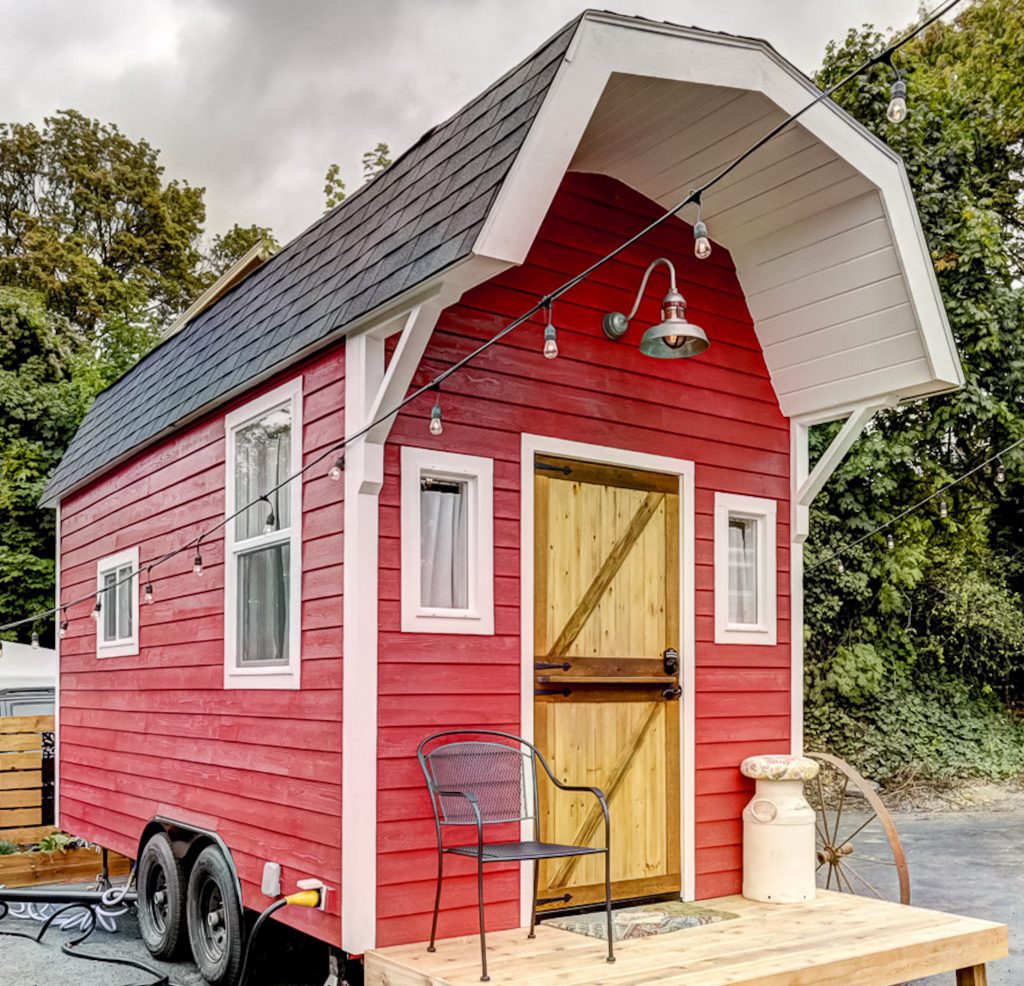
{"type": "Point", "coordinates": [778, 830]}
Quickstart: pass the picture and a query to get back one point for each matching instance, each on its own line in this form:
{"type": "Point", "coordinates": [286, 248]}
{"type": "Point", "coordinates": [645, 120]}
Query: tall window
{"type": "Point", "coordinates": [745, 566]}
{"type": "Point", "coordinates": [263, 543]}
{"type": "Point", "coordinates": [117, 629]}
{"type": "Point", "coordinates": [447, 542]}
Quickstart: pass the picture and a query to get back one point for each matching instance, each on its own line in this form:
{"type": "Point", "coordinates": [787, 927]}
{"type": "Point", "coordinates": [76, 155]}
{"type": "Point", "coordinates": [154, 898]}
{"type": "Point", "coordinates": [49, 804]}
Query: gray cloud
{"type": "Point", "coordinates": [254, 98]}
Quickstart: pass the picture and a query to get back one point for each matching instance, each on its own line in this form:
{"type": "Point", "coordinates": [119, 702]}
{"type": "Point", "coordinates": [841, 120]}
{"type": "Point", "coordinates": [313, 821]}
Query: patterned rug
{"type": "Point", "coordinates": [642, 921]}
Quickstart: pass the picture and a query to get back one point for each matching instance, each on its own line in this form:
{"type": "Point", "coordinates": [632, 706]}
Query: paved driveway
{"type": "Point", "coordinates": [967, 862]}
{"type": "Point", "coordinates": [970, 863]}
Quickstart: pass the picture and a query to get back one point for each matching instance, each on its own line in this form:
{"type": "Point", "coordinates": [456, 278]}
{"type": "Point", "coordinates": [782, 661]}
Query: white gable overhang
{"type": "Point", "coordinates": [820, 222]}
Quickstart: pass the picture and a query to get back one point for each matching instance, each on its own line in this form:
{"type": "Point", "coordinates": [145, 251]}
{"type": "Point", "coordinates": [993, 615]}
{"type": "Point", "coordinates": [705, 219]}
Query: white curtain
{"type": "Point", "coordinates": [444, 551]}
{"type": "Point", "coordinates": [742, 570]}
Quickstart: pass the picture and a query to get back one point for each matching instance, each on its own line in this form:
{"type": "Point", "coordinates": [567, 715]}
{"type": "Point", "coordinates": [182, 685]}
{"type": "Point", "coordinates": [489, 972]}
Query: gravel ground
{"type": "Point", "coordinates": [967, 862]}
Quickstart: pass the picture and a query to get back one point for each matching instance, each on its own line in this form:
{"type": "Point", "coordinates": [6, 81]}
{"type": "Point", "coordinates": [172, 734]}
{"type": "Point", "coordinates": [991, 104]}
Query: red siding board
{"type": "Point", "coordinates": [158, 732]}
{"type": "Point", "coordinates": [719, 411]}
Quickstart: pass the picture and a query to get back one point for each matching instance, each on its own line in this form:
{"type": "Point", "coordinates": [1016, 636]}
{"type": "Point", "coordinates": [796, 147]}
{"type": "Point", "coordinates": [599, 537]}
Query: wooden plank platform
{"type": "Point", "coordinates": [836, 939]}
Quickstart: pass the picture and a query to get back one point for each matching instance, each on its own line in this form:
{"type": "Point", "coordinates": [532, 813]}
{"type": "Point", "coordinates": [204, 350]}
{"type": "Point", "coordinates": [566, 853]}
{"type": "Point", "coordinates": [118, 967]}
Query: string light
{"type": "Point", "coordinates": [943, 508]}
{"type": "Point", "coordinates": [436, 426]}
{"type": "Point", "coordinates": [840, 566]}
{"type": "Point", "coordinates": [35, 640]}
{"type": "Point", "coordinates": [270, 525]}
{"type": "Point", "coordinates": [890, 542]}
{"type": "Point", "coordinates": [1000, 471]}
{"type": "Point", "coordinates": [334, 473]}
{"type": "Point", "coordinates": [96, 610]}
{"type": "Point", "coordinates": [701, 243]}
{"type": "Point", "coordinates": [550, 337]}
{"type": "Point", "coordinates": [147, 595]}
{"type": "Point", "coordinates": [64, 623]}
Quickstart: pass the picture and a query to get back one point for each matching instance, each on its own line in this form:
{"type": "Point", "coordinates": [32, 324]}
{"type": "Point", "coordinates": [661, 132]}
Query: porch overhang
{"type": "Point", "coordinates": [820, 222]}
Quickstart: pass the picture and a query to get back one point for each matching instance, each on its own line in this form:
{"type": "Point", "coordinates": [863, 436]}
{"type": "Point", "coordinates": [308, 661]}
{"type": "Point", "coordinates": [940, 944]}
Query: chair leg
{"type": "Point", "coordinates": [533, 903]}
{"type": "Point", "coordinates": [608, 903]}
{"type": "Point", "coordinates": [483, 938]}
{"type": "Point", "coordinates": [437, 898]}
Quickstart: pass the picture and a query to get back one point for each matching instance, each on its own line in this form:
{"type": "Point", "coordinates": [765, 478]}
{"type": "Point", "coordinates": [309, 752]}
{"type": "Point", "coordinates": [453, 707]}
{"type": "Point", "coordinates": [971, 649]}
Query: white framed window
{"type": "Point", "coordinates": [263, 544]}
{"type": "Point", "coordinates": [117, 627]}
{"type": "Point", "coordinates": [447, 542]}
{"type": "Point", "coordinates": [745, 570]}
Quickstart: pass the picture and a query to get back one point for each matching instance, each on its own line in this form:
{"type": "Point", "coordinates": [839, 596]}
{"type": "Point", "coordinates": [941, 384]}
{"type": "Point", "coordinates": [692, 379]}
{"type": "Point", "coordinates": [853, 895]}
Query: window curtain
{"type": "Point", "coordinates": [263, 454]}
{"type": "Point", "coordinates": [742, 571]}
{"type": "Point", "coordinates": [444, 549]}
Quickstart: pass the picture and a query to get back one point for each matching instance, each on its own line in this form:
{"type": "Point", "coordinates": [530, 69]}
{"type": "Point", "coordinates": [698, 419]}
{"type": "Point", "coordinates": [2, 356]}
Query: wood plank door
{"type": "Point", "coordinates": [606, 672]}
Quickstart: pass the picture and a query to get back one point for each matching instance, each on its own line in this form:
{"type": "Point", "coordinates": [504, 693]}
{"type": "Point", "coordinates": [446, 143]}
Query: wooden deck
{"type": "Point", "coordinates": [837, 939]}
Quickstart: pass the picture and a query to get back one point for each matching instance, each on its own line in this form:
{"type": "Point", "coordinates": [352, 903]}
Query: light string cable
{"type": "Point", "coordinates": [538, 306]}
{"type": "Point", "coordinates": [837, 553]}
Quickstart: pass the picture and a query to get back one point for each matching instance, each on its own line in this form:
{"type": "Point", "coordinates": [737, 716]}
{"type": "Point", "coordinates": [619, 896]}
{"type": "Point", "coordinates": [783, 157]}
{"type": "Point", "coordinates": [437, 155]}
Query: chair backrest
{"type": "Point", "coordinates": [500, 772]}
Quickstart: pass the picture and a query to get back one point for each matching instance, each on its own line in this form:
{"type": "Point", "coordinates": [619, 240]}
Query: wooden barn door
{"type": "Point", "coordinates": [606, 595]}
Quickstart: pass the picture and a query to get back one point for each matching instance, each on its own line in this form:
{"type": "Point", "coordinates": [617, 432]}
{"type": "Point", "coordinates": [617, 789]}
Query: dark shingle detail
{"type": "Point", "coordinates": [422, 215]}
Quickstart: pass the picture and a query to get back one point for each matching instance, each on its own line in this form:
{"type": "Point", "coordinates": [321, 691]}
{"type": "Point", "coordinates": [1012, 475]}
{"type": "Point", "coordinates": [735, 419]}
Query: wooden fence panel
{"type": "Point", "coordinates": [26, 774]}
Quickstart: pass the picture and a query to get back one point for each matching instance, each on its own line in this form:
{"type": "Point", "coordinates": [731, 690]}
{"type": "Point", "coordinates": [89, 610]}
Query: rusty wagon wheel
{"type": "Point", "coordinates": [858, 848]}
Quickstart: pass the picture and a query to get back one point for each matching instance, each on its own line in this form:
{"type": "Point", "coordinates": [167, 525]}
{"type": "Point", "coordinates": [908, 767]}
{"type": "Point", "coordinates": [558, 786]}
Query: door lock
{"type": "Point", "coordinates": [671, 658]}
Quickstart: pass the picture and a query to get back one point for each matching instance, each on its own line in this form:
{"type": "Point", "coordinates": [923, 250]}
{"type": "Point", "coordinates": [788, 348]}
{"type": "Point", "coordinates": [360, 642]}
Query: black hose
{"type": "Point", "coordinates": [256, 928]}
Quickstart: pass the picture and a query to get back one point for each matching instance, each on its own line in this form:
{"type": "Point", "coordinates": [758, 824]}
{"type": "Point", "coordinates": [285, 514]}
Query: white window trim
{"type": "Point", "coordinates": [764, 511]}
{"type": "Point", "coordinates": [280, 676]}
{"type": "Point", "coordinates": [129, 646]}
{"type": "Point", "coordinates": [478, 473]}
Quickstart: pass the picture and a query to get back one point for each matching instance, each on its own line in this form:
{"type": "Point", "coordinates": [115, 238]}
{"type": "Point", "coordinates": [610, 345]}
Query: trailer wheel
{"type": "Point", "coordinates": [161, 906]}
{"type": "Point", "coordinates": [214, 912]}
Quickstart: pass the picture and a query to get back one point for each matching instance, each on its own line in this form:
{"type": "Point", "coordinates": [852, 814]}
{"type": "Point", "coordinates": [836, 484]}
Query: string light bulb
{"type": "Point", "coordinates": [64, 623]}
{"type": "Point", "coordinates": [436, 425]}
{"type": "Point", "coordinates": [943, 508]}
{"type": "Point", "coordinates": [35, 640]}
{"type": "Point", "coordinates": [897, 111]}
{"type": "Point", "coordinates": [840, 566]}
{"type": "Point", "coordinates": [147, 594]}
{"type": "Point", "coordinates": [270, 524]}
{"type": "Point", "coordinates": [97, 609]}
{"type": "Point", "coordinates": [701, 243]}
{"type": "Point", "coordinates": [550, 338]}
{"type": "Point", "coordinates": [1000, 471]}
{"type": "Point", "coordinates": [334, 473]}
{"type": "Point", "coordinates": [890, 542]}
{"type": "Point", "coordinates": [197, 563]}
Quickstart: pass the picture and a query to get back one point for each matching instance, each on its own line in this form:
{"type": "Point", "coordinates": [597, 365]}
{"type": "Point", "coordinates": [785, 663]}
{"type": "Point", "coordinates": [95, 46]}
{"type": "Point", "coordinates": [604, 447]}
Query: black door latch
{"type": "Point", "coordinates": [671, 658]}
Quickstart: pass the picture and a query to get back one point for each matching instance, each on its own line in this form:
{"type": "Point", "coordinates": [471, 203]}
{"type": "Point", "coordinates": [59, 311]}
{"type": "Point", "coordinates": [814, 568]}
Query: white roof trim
{"type": "Point", "coordinates": [608, 44]}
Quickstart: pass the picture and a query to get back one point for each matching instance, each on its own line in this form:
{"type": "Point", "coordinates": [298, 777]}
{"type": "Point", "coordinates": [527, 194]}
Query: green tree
{"type": "Point", "coordinates": [375, 162]}
{"type": "Point", "coordinates": [228, 248]}
{"type": "Point", "coordinates": [944, 604]}
{"type": "Point", "coordinates": [334, 187]}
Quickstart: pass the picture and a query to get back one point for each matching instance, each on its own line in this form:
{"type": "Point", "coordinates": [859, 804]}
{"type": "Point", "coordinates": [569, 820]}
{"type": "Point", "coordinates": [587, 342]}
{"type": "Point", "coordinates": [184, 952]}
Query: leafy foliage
{"type": "Point", "coordinates": [895, 635]}
{"type": "Point", "coordinates": [7, 848]}
{"type": "Point", "coordinates": [375, 162]}
{"type": "Point", "coordinates": [228, 248]}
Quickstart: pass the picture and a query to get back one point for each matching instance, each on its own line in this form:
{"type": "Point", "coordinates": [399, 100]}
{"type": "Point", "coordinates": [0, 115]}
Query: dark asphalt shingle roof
{"type": "Point", "coordinates": [423, 214]}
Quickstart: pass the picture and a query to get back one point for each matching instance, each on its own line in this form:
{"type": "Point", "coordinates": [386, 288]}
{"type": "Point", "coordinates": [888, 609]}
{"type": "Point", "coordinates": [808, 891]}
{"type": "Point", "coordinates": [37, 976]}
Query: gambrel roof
{"type": "Point", "coordinates": [821, 225]}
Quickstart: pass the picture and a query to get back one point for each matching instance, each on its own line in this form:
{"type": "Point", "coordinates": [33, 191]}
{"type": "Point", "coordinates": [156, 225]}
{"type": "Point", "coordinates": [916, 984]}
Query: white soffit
{"type": "Point", "coordinates": [820, 222]}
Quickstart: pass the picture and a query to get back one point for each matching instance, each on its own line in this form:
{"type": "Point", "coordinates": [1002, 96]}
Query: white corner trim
{"type": "Point", "coordinates": [279, 676]}
{"type": "Point", "coordinates": [123, 646]}
{"type": "Point", "coordinates": [764, 513]}
{"type": "Point", "coordinates": [477, 473]}
{"type": "Point", "coordinates": [530, 446]}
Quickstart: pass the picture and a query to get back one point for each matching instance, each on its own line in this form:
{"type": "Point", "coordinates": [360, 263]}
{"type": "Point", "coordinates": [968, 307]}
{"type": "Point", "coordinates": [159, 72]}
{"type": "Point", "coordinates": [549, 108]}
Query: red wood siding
{"type": "Point", "coordinates": [157, 733]}
{"type": "Point", "coordinates": [718, 410]}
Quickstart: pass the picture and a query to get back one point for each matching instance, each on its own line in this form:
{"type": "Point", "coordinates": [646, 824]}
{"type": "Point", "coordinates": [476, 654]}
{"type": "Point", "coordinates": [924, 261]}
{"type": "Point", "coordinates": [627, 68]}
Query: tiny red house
{"type": "Point", "coordinates": [568, 539]}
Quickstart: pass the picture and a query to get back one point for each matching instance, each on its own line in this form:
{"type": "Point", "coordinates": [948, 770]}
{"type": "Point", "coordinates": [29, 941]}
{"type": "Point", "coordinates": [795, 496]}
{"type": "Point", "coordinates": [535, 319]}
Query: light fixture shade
{"type": "Point", "coordinates": [674, 337]}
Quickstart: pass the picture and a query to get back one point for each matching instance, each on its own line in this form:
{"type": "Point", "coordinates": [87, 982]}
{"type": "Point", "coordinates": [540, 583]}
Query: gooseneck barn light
{"type": "Point", "coordinates": [673, 337]}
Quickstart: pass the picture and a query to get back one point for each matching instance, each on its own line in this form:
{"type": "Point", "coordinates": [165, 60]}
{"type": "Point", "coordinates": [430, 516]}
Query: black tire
{"type": "Point", "coordinates": [216, 930]}
{"type": "Point", "coordinates": [161, 885]}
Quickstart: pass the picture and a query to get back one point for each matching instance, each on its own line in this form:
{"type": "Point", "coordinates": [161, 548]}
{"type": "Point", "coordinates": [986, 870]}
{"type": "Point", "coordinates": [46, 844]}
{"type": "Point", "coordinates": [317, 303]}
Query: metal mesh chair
{"type": "Point", "coordinates": [475, 781]}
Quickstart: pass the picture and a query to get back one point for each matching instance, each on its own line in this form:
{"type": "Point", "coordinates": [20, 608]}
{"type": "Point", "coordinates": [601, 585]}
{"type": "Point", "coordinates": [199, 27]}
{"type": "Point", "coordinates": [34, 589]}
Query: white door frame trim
{"type": "Point", "coordinates": [684, 469]}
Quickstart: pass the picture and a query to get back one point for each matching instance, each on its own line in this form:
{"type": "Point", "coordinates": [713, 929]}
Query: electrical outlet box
{"type": "Point", "coordinates": [313, 884]}
{"type": "Point", "coordinates": [271, 884]}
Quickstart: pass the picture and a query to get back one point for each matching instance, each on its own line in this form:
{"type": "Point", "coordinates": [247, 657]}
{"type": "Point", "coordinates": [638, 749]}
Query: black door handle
{"type": "Point", "coordinates": [672, 693]}
{"type": "Point", "coordinates": [548, 666]}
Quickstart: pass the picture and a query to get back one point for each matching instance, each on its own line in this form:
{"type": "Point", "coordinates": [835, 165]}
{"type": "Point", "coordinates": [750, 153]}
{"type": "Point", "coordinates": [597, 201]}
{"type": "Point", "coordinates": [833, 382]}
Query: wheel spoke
{"type": "Point", "coordinates": [870, 886]}
{"type": "Point", "coordinates": [871, 859]}
{"type": "Point", "coordinates": [857, 831]}
{"type": "Point", "coordinates": [839, 810]}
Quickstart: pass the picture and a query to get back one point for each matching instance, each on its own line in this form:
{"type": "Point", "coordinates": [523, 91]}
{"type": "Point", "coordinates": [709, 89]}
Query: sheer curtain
{"type": "Point", "coordinates": [742, 570]}
{"type": "Point", "coordinates": [263, 452]}
{"type": "Point", "coordinates": [444, 551]}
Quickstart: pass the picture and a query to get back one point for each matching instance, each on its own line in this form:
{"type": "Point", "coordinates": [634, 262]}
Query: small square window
{"type": "Point", "coordinates": [745, 570]}
{"type": "Point", "coordinates": [447, 542]}
{"type": "Point", "coordinates": [117, 591]}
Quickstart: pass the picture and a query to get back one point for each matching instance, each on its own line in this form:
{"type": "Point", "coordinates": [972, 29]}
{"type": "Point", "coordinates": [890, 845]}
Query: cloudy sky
{"type": "Point", "coordinates": [253, 99]}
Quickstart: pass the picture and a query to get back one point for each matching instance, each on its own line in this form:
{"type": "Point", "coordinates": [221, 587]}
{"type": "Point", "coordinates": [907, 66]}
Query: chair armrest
{"type": "Point", "coordinates": [468, 795]}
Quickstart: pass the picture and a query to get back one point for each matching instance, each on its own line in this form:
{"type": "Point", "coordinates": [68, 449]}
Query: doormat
{"type": "Point", "coordinates": [642, 921]}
